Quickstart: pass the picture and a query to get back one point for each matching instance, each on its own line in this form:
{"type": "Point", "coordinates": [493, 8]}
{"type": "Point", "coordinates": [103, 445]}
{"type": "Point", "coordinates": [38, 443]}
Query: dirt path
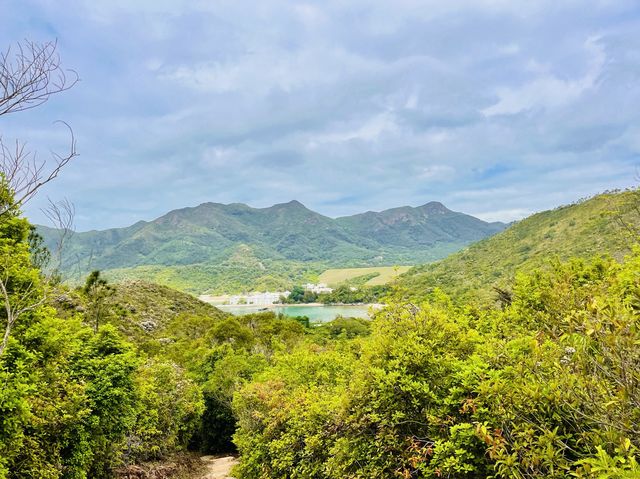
{"type": "Point", "coordinates": [218, 467]}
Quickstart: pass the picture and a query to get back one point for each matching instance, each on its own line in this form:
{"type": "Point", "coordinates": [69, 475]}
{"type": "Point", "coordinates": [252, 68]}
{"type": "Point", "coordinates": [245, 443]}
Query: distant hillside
{"type": "Point", "coordinates": [226, 248]}
{"type": "Point", "coordinates": [419, 227]}
{"type": "Point", "coordinates": [584, 229]}
{"type": "Point", "coordinates": [372, 276]}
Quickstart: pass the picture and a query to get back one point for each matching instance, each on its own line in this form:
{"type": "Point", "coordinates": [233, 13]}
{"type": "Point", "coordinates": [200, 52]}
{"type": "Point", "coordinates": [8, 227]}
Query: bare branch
{"type": "Point", "coordinates": [24, 174]}
{"type": "Point", "coordinates": [61, 215]}
{"type": "Point", "coordinates": [29, 74]}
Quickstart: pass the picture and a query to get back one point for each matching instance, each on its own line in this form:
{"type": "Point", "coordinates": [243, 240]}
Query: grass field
{"type": "Point", "coordinates": [385, 274]}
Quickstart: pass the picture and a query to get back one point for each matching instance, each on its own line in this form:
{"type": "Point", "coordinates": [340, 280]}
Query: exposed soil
{"type": "Point", "coordinates": [218, 467]}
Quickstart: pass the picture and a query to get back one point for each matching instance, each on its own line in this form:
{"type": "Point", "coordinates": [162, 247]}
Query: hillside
{"type": "Point", "coordinates": [425, 225]}
{"type": "Point", "coordinates": [140, 310]}
{"type": "Point", "coordinates": [228, 248]}
{"type": "Point", "coordinates": [374, 276]}
{"type": "Point", "coordinates": [584, 229]}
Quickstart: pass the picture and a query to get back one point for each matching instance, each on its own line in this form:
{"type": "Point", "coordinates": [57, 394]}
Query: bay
{"type": "Point", "coordinates": [315, 313]}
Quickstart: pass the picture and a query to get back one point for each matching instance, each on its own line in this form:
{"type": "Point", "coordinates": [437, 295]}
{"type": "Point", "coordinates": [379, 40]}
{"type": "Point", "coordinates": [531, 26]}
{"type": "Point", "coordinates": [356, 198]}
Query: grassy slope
{"type": "Point", "coordinates": [136, 303]}
{"type": "Point", "coordinates": [240, 272]}
{"type": "Point", "coordinates": [384, 274]}
{"type": "Point", "coordinates": [583, 229]}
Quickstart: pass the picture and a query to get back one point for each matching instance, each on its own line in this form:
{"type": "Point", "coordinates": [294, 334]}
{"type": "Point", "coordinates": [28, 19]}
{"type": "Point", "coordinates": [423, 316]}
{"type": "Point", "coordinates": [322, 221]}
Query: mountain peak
{"type": "Point", "coordinates": [434, 207]}
{"type": "Point", "coordinates": [290, 204]}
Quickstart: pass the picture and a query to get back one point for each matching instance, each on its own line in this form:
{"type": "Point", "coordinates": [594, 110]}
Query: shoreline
{"type": "Point", "coordinates": [297, 305]}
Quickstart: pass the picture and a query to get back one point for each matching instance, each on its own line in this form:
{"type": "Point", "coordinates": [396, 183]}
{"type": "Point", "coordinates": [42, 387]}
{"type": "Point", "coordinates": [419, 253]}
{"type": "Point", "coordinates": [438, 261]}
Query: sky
{"type": "Point", "coordinates": [496, 108]}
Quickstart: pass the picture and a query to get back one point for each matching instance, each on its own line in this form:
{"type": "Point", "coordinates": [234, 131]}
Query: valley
{"type": "Point", "coordinates": [330, 364]}
{"type": "Point", "coordinates": [220, 249]}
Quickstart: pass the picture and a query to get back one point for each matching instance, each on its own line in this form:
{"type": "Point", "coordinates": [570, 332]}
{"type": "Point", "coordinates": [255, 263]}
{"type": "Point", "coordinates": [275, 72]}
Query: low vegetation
{"type": "Point", "coordinates": [374, 276]}
{"type": "Point", "coordinates": [544, 387]}
{"type": "Point", "coordinates": [242, 272]}
{"type": "Point", "coordinates": [344, 294]}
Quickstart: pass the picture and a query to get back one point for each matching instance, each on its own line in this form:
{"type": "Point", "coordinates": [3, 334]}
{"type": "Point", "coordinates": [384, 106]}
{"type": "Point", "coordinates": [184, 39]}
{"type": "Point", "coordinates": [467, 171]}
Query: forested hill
{"type": "Point", "coordinates": [601, 225]}
{"type": "Point", "coordinates": [186, 245]}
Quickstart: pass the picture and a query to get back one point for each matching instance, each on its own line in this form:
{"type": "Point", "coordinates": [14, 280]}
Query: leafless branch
{"type": "Point", "coordinates": [24, 174]}
{"type": "Point", "coordinates": [29, 74]}
{"type": "Point", "coordinates": [61, 215]}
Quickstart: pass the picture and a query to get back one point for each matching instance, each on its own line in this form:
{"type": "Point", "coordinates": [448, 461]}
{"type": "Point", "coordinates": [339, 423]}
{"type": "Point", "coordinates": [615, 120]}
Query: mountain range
{"type": "Point", "coordinates": [191, 248]}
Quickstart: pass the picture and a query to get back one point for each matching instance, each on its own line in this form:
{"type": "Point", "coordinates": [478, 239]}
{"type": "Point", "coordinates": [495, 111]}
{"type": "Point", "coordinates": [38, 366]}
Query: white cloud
{"type": "Point", "coordinates": [436, 172]}
{"type": "Point", "coordinates": [506, 216]}
{"type": "Point", "coordinates": [494, 106]}
{"type": "Point", "coordinates": [548, 90]}
{"type": "Point", "coordinates": [371, 129]}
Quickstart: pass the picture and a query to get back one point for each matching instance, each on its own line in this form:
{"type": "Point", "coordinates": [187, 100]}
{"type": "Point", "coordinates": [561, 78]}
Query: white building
{"type": "Point", "coordinates": [318, 288]}
{"type": "Point", "coordinates": [259, 299]}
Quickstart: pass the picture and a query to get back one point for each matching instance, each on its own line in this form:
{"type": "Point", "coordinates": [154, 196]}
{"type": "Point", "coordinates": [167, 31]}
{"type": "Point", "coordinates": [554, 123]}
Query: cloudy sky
{"type": "Point", "coordinates": [498, 108]}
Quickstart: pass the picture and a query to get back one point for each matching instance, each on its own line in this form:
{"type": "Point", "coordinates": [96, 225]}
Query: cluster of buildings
{"type": "Point", "coordinates": [318, 288]}
{"type": "Point", "coordinates": [272, 297]}
{"type": "Point", "coordinates": [259, 299]}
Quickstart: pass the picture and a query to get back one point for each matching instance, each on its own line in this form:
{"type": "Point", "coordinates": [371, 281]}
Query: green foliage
{"type": "Point", "coordinates": [232, 248]}
{"type": "Point", "coordinates": [545, 386]}
{"type": "Point", "coordinates": [300, 295]}
{"type": "Point", "coordinates": [169, 411]}
{"type": "Point", "coordinates": [239, 273]}
{"type": "Point", "coordinates": [77, 401]}
{"type": "Point", "coordinates": [347, 294]}
{"type": "Point", "coordinates": [343, 294]}
{"type": "Point", "coordinates": [600, 225]}
{"type": "Point", "coordinates": [341, 327]}
{"type": "Point", "coordinates": [97, 290]}
{"type": "Point", "coordinates": [106, 366]}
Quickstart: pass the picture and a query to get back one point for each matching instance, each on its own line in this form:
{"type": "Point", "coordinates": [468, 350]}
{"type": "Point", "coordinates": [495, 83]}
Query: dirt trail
{"type": "Point", "coordinates": [218, 467]}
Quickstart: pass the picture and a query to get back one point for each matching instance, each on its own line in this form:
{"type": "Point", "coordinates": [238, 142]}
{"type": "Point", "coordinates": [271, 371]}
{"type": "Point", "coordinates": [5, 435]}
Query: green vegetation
{"type": "Point", "coordinates": [352, 295]}
{"type": "Point", "coordinates": [545, 387]}
{"type": "Point", "coordinates": [543, 384]}
{"type": "Point", "coordinates": [299, 295]}
{"type": "Point", "coordinates": [98, 378]}
{"type": "Point", "coordinates": [600, 225]}
{"type": "Point", "coordinates": [241, 272]}
{"type": "Point", "coordinates": [101, 377]}
{"type": "Point", "coordinates": [374, 276]}
{"type": "Point", "coordinates": [344, 294]}
{"type": "Point", "coordinates": [234, 248]}
{"type": "Point", "coordinates": [77, 399]}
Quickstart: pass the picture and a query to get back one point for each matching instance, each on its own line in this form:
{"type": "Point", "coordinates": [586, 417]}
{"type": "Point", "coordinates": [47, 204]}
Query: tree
{"type": "Point", "coordinates": [20, 282]}
{"type": "Point", "coordinates": [97, 291]}
{"type": "Point", "coordinates": [30, 74]}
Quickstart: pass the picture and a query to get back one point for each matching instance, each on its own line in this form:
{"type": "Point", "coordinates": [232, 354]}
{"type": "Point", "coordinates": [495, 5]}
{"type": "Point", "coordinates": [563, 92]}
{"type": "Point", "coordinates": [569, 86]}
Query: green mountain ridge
{"type": "Point", "coordinates": [194, 248]}
{"type": "Point", "coordinates": [600, 225]}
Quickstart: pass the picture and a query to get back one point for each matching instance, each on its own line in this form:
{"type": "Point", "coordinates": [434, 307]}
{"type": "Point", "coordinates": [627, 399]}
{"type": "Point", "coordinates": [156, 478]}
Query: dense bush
{"type": "Point", "coordinates": [77, 399]}
{"type": "Point", "coordinates": [548, 386]}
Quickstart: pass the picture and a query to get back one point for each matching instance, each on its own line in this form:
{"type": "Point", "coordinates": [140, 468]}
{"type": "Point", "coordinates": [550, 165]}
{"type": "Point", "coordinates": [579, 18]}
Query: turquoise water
{"type": "Point", "coordinates": [316, 314]}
